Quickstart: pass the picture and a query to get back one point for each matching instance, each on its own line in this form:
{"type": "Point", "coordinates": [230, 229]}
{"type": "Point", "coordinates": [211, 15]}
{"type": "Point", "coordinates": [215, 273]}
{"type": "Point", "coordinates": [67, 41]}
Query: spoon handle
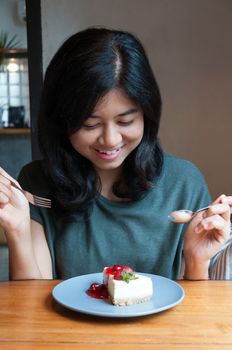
{"type": "Point", "coordinates": [201, 209]}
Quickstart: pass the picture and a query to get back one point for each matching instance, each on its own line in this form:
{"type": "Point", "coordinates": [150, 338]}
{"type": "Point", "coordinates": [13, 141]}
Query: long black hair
{"type": "Point", "coordinates": [86, 67]}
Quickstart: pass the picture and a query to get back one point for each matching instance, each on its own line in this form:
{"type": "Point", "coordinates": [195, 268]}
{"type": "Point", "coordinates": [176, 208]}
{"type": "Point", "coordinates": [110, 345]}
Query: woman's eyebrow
{"type": "Point", "coordinates": [93, 116]}
{"type": "Point", "coordinates": [129, 111]}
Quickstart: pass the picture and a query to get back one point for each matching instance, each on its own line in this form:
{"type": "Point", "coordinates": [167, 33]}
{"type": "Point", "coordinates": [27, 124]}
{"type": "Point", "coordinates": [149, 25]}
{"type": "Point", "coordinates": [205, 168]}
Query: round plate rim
{"type": "Point", "coordinates": [126, 314]}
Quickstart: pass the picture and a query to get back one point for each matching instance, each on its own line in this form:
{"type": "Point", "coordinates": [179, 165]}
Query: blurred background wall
{"type": "Point", "coordinates": [189, 45]}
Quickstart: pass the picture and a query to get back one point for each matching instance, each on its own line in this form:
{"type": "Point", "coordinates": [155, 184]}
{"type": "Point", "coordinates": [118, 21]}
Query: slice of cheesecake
{"type": "Point", "coordinates": [125, 287]}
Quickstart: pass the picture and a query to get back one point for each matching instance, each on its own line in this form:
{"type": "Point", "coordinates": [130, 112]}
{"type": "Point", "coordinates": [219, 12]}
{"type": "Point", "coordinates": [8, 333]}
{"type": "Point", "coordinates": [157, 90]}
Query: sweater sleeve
{"type": "Point", "coordinates": [220, 267]}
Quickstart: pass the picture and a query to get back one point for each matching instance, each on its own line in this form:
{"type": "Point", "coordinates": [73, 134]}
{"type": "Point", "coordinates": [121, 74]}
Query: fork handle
{"type": "Point", "coordinates": [13, 184]}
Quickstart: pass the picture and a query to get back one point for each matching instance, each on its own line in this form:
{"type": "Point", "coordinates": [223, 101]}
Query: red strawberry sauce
{"type": "Point", "coordinates": [117, 270]}
{"type": "Point", "coordinates": [99, 291]}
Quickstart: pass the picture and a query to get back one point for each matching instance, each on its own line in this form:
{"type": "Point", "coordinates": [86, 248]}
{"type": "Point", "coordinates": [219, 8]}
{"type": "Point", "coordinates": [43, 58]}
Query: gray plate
{"type": "Point", "coordinates": [71, 293]}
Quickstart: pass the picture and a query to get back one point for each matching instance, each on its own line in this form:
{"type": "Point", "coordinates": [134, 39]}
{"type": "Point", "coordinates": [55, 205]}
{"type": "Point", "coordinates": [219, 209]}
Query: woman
{"type": "Point", "coordinates": [111, 185]}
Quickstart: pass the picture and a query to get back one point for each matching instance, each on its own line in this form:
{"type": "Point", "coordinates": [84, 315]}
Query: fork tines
{"type": "Point", "coordinates": [42, 202]}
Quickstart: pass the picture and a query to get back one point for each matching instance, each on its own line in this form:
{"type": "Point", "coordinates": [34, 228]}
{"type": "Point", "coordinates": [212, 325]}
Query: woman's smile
{"type": "Point", "coordinates": [109, 154]}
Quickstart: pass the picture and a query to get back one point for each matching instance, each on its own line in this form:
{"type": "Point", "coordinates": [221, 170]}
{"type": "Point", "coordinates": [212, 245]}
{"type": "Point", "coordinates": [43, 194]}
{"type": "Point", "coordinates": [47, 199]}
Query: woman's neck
{"type": "Point", "coordinates": [108, 178]}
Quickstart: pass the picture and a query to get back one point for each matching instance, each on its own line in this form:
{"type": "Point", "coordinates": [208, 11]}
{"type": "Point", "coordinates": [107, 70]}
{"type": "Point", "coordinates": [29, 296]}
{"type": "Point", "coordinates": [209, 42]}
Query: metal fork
{"type": "Point", "coordinates": [33, 199]}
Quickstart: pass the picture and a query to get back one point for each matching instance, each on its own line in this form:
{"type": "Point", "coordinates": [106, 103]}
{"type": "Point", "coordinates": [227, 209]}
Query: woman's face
{"type": "Point", "coordinates": [111, 133]}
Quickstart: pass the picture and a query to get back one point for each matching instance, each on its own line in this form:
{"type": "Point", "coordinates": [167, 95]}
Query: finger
{"type": "Point", "coordinates": [215, 222]}
{"type": "Point", "coordinates": [207, 225]}
{"type": "Point", "coordinates": [228, 200]}
{"type": "Point", "coordinates": [4, 176]}
{"type": "Point", "coordinates": [4, 199]}
{"type": "Point", "coordinates": [5, 191]}
{"type": "Point", "coordinates": [224, 199]}
{"type": "Point", "coordinates": [218, 209]}
{"type": "Point", "coordinates": [219, 199]}
{"type": "Point", "coordinates": [4, 183]}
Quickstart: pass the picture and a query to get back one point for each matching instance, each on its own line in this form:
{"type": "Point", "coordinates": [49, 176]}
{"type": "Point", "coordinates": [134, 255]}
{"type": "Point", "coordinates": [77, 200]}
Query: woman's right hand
{"type": "Point", "coordinates": [15, 220]}
{"type": "Point", "coordinates": [14, 207]}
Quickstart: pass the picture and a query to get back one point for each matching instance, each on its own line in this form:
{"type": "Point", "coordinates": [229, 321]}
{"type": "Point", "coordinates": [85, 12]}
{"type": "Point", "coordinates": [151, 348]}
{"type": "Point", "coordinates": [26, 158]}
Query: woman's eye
{"type": "Point", "coordinates": [86, 126]}
{"type": "Point", "coordinates": [125, 122]}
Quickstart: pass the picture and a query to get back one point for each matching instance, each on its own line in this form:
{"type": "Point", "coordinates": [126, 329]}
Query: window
{"type": "Point", "coordinates": [14, 89]}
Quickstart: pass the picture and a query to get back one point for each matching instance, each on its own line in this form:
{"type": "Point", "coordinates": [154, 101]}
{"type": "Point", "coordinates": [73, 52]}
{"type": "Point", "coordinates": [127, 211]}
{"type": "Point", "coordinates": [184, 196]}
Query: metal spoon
{"type": "Point", "coordinates": [183, 215]}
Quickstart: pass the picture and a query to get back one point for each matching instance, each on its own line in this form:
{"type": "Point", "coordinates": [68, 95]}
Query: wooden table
{"type": "Point", "coordinates": [31, 319]}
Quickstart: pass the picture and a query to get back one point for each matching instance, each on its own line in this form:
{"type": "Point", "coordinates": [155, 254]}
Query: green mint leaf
{"type": "Point", "coordinates": [127, 276]}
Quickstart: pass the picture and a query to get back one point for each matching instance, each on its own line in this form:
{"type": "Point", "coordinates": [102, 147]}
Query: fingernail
{"type": "Point", "coordinates": [223, 198]}
{"type": "Point", "coordinates": [204, 214]}
{"type": "Point", "coordinates": [207, 226]}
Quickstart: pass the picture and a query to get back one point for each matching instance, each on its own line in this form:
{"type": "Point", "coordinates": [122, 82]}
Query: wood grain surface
{"type": "Point", "coordinates": [31, 319]}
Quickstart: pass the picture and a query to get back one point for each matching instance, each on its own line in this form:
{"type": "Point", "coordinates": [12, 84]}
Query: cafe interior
{"type": "Point", "coordinates": [189, 45]}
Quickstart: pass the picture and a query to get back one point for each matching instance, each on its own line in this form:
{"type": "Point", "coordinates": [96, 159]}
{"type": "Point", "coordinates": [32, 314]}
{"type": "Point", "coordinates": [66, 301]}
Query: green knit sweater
{"type": "Point", "coordinates": [138, 234]}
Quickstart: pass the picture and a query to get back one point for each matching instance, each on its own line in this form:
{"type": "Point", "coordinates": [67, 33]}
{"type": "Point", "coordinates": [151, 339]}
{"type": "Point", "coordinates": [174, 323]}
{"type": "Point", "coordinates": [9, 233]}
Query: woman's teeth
{"type": "Point", "coordinates": [109, 152]}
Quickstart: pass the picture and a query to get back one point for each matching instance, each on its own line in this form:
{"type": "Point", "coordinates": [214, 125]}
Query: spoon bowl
{"type": "Point", "coordinates": [183, 216]}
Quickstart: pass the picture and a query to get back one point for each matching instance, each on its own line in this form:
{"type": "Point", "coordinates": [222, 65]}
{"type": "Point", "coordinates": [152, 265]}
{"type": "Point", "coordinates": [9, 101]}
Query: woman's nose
{"type": "Point", "coordinates": [110, 137]}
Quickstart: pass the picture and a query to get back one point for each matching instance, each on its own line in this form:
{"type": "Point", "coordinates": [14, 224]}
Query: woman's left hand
{"type": "Point", "coordinates": [207, 233]}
